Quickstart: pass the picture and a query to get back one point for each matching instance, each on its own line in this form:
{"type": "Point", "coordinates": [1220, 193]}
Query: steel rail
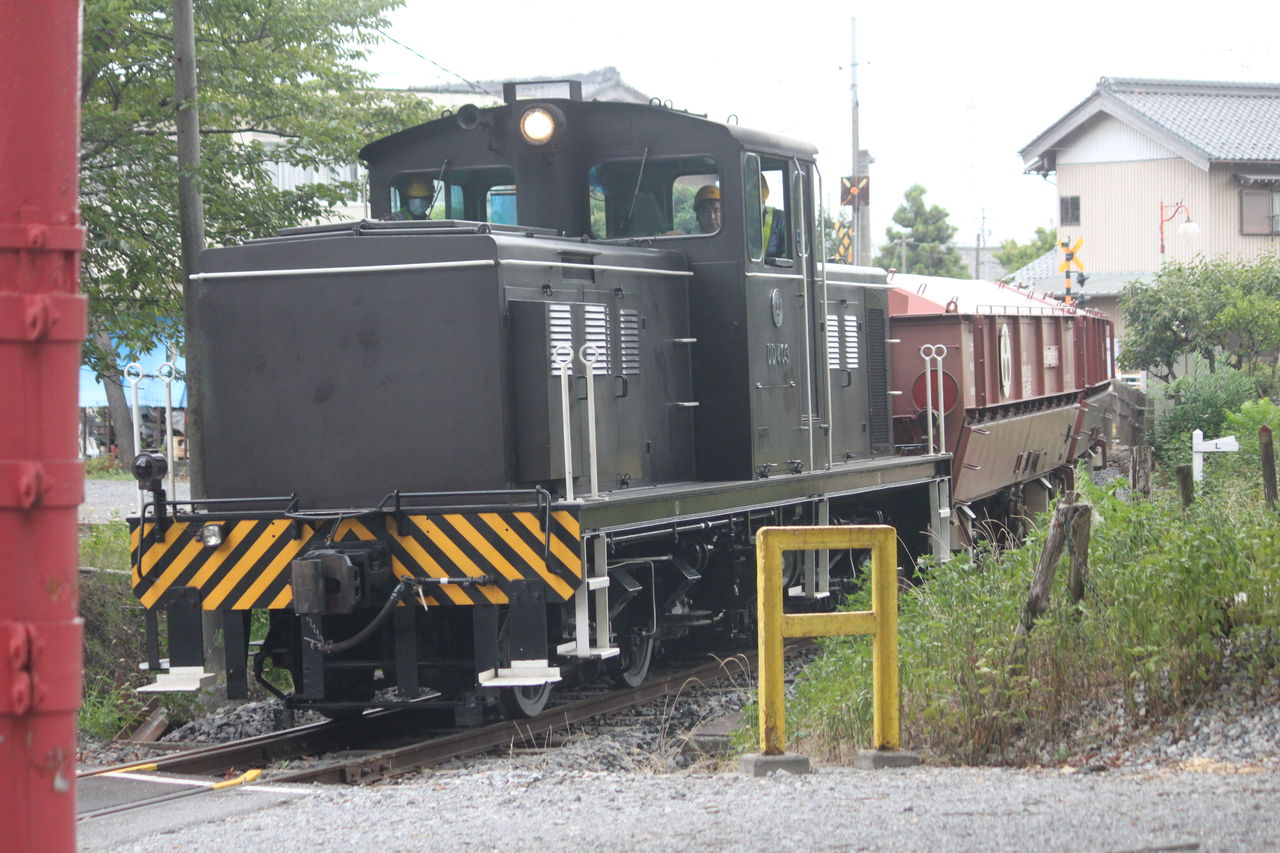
{"type": "Point", "coordinates": [393, 762]}
{"type": "Point", "coordinates": [257, 751]}
{"type": "Point", "coordinates": [317, 738]}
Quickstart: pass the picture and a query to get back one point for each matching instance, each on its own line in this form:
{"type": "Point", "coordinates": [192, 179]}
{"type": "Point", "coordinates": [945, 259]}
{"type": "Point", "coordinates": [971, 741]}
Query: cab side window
{"type": "Point", "coordinates": [654, 197]}
{"type": "Point", "coordinates": [478, 195]}
{"type": "Point", "coordinates": [768, 192]}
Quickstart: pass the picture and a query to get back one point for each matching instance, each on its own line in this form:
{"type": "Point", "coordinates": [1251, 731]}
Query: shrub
{"type": "Point", "coordinates": [1245, 422]}
{"type": "Point", "coordinates": [1201, 400]}
{"type": "Point", "coordinates": [1175, 601]}
{"type": "Point", "coordinates": [105, 467]}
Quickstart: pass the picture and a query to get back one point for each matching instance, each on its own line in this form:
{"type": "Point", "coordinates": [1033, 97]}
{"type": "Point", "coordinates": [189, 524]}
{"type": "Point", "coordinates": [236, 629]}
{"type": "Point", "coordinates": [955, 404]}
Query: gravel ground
{"type": "Point", "coordinates": [833, 809]}
{"type": "Point", "coordinates": [114, 500]}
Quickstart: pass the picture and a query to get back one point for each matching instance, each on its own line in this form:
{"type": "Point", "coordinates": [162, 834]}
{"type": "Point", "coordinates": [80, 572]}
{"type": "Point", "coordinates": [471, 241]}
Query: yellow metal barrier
{"type": "Point", "coordinates": [881, 622]}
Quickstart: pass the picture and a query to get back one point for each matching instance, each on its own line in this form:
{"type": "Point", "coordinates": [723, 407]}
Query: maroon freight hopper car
{"type": "Point", "coordinates": [1019, 386]}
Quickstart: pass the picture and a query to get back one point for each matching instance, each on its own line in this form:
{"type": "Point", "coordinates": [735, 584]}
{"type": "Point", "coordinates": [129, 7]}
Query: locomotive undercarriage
{"type": "Point", "coordinates": [359, 634]}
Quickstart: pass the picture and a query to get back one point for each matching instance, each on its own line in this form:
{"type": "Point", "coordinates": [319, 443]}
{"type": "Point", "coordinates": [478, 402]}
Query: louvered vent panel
{"type": "Point", "coordinates": [629, 342]}
{"type": "Point", "coordinates": [833, 341]}
{"type": "Point", "coordinates": [877, 377]}
{"type": "Point", "coordinates": [560, 320]}
{"type": "Point", "coordinates": [597, 332]}
{"type": "Point", "coordinates": [851, 343]}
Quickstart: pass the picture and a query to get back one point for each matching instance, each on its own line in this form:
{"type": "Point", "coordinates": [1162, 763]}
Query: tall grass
{"type": "Point", "coordinates": [113, 634]}
{"type": "Point", "coordinates": [1175, 602]}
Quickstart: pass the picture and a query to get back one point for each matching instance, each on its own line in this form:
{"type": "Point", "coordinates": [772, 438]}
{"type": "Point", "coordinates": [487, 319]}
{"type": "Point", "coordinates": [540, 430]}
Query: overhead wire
{"type": "Point", "coordinates": [475, 87]}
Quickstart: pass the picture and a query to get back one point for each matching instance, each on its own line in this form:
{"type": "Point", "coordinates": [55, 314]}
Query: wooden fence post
{"type": "Point", "coordinates": [1078, 549]}
{"type": "Point", "coordinates": [1186, 486]}
{"type": "Point", "coordinates": [1140, 470]}
{"type": "Point", "coordinates": [1268, 465]}
{"type": "Point", "coordinates": [1071, 522]}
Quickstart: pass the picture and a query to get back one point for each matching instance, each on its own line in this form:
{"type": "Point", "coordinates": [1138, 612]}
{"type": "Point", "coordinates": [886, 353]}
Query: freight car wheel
{"type": "Point", "coordinates": [631, 667]}
{"type": "Point", "coordinates": [519, 702]}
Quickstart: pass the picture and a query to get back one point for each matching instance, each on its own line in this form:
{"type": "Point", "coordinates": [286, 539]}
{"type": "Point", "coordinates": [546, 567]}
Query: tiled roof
{"type": "Point", "coordinates": [1226, 121]}
{"type": "Point", "coordinates": [1202, 121]}
{"type": "Point", "coordinates": [602, 84]}
{"type": "Point", "coordinates": [1044, 266]}
{"type": "Point", "coordinates": [1097, 284]}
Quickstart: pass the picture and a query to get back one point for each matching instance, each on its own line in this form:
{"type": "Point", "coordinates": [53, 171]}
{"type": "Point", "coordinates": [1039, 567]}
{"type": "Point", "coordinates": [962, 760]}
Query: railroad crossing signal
{"type": "Point", "coordinates": [844, 243]}
{"type": "Point", "coordinates": [1070, 256]}
{"type": "Point", "coordinates": [855, 191]}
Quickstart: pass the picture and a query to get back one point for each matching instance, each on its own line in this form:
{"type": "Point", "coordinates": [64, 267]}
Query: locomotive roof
{"type": "Point", "coordinates": [747, 137]}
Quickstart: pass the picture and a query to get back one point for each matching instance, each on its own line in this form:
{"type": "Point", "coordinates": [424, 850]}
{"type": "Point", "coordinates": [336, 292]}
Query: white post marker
{"type": "Point", "coordinates": [1199, 447]}
{"type": "Point", "coordinates": [133, 375]}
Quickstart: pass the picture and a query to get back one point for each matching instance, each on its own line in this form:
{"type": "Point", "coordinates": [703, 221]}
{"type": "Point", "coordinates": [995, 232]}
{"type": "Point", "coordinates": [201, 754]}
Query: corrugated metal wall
{"type": "Point", "coordinates": [1120, 213]}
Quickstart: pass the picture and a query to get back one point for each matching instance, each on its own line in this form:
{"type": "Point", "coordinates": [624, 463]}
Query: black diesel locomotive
{"type": "Point", "coordinates": [528, 418]}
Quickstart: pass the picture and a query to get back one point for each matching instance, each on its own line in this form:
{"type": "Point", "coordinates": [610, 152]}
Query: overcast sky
{"type": "Point", "coordinates": [949, 92]}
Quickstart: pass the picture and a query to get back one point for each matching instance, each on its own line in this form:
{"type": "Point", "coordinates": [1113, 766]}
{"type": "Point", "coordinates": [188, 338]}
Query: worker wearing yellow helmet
{"type": "Point", "coordinates": [706, 206]}
{"type": "Point", "coordinates": [415, 199]}
{"type": "Point", "coordinates": [774, 224]}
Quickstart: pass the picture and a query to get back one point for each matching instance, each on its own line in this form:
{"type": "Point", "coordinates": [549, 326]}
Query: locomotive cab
{"type": "Point", "coordinates": [758, 310]}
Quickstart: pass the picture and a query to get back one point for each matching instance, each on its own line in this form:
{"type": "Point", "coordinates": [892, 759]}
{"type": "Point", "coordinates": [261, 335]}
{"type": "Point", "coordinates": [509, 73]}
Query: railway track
{"type": "Point", "coordinates": [361, 745]}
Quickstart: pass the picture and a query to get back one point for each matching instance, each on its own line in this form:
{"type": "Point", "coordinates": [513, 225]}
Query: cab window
{"type": "Point", "coordinates": [768, 192]}
{"type": "Point", "coordinates": [477, 195]}
{"type": "Point", "coordinates": [654, 197]}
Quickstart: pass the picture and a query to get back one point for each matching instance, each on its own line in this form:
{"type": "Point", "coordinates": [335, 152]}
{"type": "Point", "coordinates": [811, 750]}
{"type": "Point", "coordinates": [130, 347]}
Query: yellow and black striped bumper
{"type": "Point", "coordinates": [250, 569]}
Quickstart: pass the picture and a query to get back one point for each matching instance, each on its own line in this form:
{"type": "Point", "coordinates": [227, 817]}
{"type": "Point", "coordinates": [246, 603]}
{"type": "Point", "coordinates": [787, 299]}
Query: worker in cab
{"type": "Point", "coordinates": [775, 225]}
{"type": "Point", "coordinates": [706, 207]}
{"type": "Point", "coordinates": [415, 199]}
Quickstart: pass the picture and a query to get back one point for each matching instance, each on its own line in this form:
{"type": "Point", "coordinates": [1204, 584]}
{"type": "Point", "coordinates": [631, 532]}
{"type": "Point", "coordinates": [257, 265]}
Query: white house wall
{"type": "Point", "coordinates": [1107, 140]}
{"type": "Point", "coordinates": [1120, 213]}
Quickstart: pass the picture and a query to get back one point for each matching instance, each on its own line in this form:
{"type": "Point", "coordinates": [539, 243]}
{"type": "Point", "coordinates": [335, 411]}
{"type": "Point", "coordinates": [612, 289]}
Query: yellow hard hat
{"type": "Point", "coordinates": [419, 188]}
{"type": "Point", "coordinates": [710, 192]}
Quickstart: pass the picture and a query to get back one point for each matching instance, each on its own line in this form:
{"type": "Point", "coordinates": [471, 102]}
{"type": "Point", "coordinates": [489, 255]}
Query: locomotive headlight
{"type": "Point", "coordinates": [211, 535]}
{"type": "Point", "coordinates": [538, 125]}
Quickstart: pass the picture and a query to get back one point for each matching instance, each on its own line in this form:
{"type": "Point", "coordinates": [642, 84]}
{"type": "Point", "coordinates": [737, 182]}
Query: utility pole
{"type": "Point", "coordinates": [861, 213]}
{"type": "Point", "coordinates": [191, 226]}
{"type": "Point", "coordinates": [978, 263]}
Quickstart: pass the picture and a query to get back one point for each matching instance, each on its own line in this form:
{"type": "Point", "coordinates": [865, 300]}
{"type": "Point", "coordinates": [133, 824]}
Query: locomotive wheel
{"type": "Point", "coordinates": [520, 702]}
{"type": "Point", "coordinates": [631, 667]}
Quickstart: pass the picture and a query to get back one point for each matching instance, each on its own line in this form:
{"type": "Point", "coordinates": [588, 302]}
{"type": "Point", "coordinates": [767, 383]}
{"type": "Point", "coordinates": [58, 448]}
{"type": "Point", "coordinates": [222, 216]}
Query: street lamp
{"type": "Point", "coordinates": [1187, 228]}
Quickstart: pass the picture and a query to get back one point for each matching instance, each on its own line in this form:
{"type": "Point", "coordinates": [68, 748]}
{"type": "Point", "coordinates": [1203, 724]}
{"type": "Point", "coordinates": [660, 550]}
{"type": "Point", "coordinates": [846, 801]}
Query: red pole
{"type": "Point", "coordinates": [42, 323]}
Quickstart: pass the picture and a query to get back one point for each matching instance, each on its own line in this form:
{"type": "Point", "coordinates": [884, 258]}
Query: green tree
{"type": "Point", "coordinates": [279, 84]}
{"type": "Point", "coordinates": [926, 240]}
{"type": "Point", "coordinates": [1224, 310]}
{"type": "Point", "coordinates": [1013, 255]}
